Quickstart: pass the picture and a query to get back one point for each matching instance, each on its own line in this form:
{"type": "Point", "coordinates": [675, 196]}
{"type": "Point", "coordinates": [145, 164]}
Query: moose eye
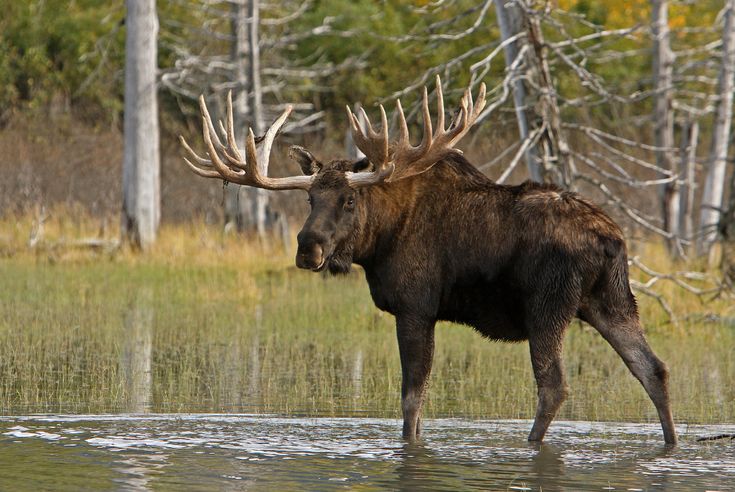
{"type": "Point", "coordinates": [350, 202]}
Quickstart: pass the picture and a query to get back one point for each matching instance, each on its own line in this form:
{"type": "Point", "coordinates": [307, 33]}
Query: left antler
{"type": "Point", "coordinates": [228, 163]}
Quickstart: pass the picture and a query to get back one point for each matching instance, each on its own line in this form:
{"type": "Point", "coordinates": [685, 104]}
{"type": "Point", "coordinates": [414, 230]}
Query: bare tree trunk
{"type": "Point", "coordinates": [141, 161]}
{"type": "Point", "coordinates": [687, 171]}
{"type": "Point", "coordinates": [663, 63]}
{"type": "Point", "coordinates": [714, 186]}
{"type": "Point", "coordinates": [263, 215]}
{"type": "Point", "coordinates": [510, 20]}
{"type": "Point", "coordinates": [239, 200]}
{"type": "Point", "coordinates": [557, 158]}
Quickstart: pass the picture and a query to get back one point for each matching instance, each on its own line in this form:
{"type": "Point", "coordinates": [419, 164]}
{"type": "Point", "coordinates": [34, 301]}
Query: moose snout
{"type": "Point", "coordinates": [310, 253]}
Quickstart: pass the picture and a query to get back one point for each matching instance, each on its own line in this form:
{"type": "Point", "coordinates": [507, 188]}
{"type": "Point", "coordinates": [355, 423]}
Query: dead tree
{"type": "Point", "coordinates": [239, 200]}
{"type": "Point", "coordinates": [510, 21]}
{"type": "Point", "coordinates": [663, 116]}
{"type": "Point", "coordinates": [141, 161]}
{"type": "Point", "coordinates": [714, 186]}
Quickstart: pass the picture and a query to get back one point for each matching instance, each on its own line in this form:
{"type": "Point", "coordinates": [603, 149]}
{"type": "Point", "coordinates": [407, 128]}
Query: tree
{"type": "Point", "coordinates": [663, 116]}
{"type": "Point", "coordinates": [714, 187]}
{"type": "Point", "coordinates": [141, 161]}
{"type": "Point", "coordinates": [510, 21]}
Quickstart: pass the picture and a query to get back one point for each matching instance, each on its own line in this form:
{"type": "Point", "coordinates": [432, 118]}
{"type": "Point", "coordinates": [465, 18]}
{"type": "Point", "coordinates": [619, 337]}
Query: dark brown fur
{"type": "Point", "coordinates": [514, 262]}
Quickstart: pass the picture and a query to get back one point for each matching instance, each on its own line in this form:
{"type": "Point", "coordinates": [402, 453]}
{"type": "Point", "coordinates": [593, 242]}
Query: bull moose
{"type": "Point", "coordinates": [438, 240]}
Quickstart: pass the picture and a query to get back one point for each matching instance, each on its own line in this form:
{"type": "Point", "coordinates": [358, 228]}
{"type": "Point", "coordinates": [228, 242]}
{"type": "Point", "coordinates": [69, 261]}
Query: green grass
{"type": "Point", "coordinates": [225, 325]}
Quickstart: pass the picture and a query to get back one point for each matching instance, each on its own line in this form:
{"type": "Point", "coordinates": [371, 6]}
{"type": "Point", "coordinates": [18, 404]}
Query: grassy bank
{"type": "Point", "coordinates": [207, 322]}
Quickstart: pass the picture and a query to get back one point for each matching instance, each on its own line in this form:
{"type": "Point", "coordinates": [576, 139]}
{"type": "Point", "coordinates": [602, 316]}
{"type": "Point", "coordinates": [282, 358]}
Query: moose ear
{"type": "Point", "coordinates": [361, 165]}
{"type": "Point", "coordinates": [309, 164]}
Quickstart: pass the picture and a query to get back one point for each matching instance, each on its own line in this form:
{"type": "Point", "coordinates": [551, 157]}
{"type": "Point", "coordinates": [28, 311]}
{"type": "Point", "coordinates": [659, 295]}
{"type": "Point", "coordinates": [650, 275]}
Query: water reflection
{"type": "Point", "coordinates": [272, 453]}
{"type": "Point", "coordinates": [135, 361]}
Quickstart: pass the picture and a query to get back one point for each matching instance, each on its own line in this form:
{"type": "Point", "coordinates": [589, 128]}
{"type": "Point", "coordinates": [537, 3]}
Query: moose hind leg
{"type": "Point", "coordinates": [549, 372]}
{"type": "Point", "coordinates": [416, 346]}
{"type": "Point", "coordinates": [627, 338]}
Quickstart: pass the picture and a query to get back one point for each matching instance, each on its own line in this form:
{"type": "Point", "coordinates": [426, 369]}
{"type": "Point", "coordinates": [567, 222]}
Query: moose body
{"type": "Point", "coordinates": [438, 240]}
{"type": "Point", "coordinates": [464, 249]}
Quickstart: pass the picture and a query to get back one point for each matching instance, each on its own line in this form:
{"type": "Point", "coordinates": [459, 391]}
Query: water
{"type": "Point", "coordinates": [261, 452]}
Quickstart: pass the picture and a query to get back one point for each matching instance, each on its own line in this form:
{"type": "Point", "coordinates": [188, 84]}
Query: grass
{"type": "Point", "coordinates": [207, 322]}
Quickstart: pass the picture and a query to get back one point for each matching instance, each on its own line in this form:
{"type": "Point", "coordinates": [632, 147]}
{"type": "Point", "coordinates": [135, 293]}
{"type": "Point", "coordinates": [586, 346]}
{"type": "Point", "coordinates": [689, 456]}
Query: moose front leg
{"type": "Point", "coordinates": [416, 345]}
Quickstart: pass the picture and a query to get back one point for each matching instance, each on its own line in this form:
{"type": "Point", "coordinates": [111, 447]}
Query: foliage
{"type": "Point", "coordinates": [71, 54]}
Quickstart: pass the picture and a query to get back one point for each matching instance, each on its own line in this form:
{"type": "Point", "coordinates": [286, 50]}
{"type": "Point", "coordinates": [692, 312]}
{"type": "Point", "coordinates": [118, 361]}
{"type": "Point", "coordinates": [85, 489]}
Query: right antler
{"type": "Point", "coordinates": [227, 163]}
{"type": "Point", "coordinates": [409, 160]}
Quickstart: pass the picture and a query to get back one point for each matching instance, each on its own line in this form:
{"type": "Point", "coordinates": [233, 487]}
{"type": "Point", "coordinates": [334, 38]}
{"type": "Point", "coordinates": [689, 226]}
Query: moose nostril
{"type": "Point", "coordinates": [310, 256]}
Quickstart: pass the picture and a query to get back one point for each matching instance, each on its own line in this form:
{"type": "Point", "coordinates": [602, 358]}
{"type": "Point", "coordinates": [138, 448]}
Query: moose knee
{"type": "Point", "coordinates": [411, 403]}
{"type": "Point", "coordinates": [661, 371]}
{"type": "Point", "coordinates": [553, 395]}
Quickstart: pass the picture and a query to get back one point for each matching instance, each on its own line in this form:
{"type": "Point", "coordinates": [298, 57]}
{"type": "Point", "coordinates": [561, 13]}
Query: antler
{"type": "Point", "coordinates": [406, 159]}
{"type": "Point", "coordinates": [227, 163]}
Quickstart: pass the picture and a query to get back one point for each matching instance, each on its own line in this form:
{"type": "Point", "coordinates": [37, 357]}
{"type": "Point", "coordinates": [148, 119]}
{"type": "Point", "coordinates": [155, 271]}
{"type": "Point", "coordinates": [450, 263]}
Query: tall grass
{"type": "Point", "coordinates": [209, 322]}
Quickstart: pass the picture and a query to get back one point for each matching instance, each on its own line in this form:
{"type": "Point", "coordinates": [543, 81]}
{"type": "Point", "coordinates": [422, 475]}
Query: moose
{"type": "Point", "coordinates": [438, 240]}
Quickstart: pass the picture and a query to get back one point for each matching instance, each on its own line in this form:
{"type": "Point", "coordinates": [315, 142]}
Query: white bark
{"type": "Point", "coordinates": [714, 187]}
{"type": "Point", "coordinates": [510, 21]}
{"type": "Point", "coordinates": [663, 62]}
{"type": "Point", "coordinates": [141, 159]}
{"type": "Point", "coordinates": [262, 212]}
{"type": "Point", "coordinates": [687, 172]}
{"type": "Point", "coordinates": [239, 200]}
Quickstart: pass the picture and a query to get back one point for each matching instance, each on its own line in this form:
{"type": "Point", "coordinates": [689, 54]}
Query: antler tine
{"type": "Point", "coordinates": [375, 144]}
{"type": "Point", "coordinates": [439, 106]}
{"type": "Point", "coordinates": [267, 143]}
{"type": "Point", "coordinates": [369, 126]}
{"type": "Point", "coordinates": [208, 122]}
{"type": "Point", "coordinates": [238, 161]}
{"type": "Point", "coordinates": [200, 160]}
{"type": "Point", "coordinates": [402, 125]}
{"type": "Point", "coordinates": [228, 162]}
{"type": "Point", "coordinates": [223, 169]}
{"type": "Point", "coordinates": [206, 173]}
{"type": "Point", "coordinates": [428, 136]}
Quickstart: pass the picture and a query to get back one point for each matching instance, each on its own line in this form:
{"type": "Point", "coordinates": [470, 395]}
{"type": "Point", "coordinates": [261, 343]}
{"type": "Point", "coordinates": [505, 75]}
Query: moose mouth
{"type": "Point", "coordinates": [321, 265]}
{"type": "Point", "coordinates": [324, 263]}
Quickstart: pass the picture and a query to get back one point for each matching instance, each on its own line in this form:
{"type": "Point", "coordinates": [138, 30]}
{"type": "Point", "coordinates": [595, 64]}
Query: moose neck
{"type": "Point", "coordinates": [381, 212]}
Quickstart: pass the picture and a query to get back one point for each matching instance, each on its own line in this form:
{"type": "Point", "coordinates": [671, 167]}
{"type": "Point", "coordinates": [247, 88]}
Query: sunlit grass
{"type": "Point", "coordinates": [212, 322]}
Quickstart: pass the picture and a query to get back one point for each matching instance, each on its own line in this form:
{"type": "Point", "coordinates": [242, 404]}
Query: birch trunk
{"type": "Point", "coordinates": [239, 200]}
{"type": "Point", "coordinates": [262, 210]}
{"type": "Point", "coordinates": [141, 212]}
{"type": "Point", "coordinates": [510, 21]}
{"type": "Point", "coordinates": [663, 117]}
{"type": "Point", "coordinates": [714, 186]}
{"type": "Point", "coordinates": [687, 171]}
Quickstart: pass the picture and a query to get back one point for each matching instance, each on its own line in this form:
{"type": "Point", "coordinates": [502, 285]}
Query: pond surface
{"type": "Point", "coordinates": [260, 452]}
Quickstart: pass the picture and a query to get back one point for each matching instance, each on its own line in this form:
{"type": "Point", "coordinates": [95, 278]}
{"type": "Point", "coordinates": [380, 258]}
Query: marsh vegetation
{"type": "Point", "coordinates": [211, 323]}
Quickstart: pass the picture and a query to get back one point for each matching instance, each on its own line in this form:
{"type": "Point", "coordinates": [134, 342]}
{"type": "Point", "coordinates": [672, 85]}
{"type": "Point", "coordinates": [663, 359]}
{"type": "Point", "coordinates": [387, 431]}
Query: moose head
{"type": "Point", "coordinates": [326, 240]}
